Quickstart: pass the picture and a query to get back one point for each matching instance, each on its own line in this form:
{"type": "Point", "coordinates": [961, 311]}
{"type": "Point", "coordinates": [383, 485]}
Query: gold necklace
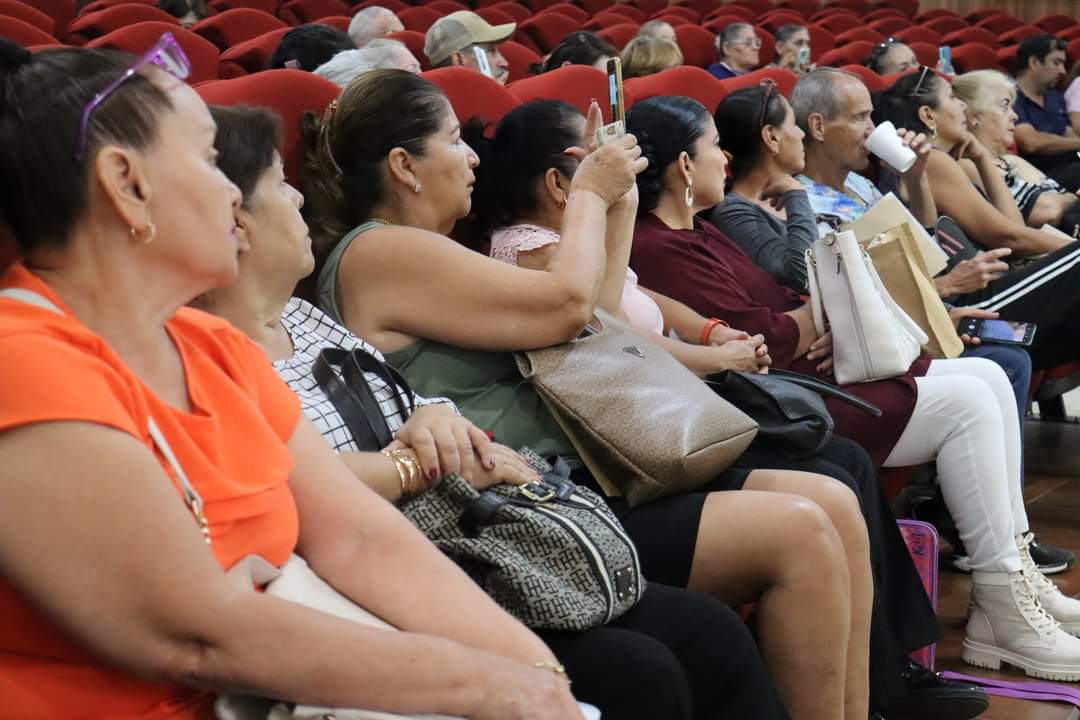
{"type": "Point", "coordinates": [381, 221]}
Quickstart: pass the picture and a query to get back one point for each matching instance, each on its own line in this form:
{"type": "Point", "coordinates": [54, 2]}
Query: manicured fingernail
{"type": "Point", "coordinates": [491, 464]}
{"type": "Point", "coordinates": [433, 474]}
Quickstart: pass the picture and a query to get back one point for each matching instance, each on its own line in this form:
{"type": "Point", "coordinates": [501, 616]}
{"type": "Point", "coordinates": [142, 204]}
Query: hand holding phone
{"type": "Point", "coordinates": [945, 60]}
{"type": "Point", "coordinates": [1005, 332]}
{"type": "Point", "coordinates": [482, 61]}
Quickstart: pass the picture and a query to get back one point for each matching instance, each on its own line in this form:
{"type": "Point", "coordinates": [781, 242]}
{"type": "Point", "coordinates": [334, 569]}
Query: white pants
{"type": "Point", "coordinates": [965, 419]}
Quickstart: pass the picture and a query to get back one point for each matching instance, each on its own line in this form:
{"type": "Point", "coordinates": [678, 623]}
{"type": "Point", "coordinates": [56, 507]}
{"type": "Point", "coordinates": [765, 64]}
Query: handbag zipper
{"type": "Point", "coordinates": [619, 532]}
{"type": "Point", "coordinates": [592, 554]}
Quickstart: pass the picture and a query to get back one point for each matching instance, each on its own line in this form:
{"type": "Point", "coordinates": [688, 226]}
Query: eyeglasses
{"type": "Point", "coordinates": [883, 45]}
{"type": "Point", "coordinates": [166, 54]}
{"type": "Point", "coordinates": [769, 86]}
{"type": "Point", "coordinates": [754, 42]}
{"type": "Point", "coordinates": [922, 79]}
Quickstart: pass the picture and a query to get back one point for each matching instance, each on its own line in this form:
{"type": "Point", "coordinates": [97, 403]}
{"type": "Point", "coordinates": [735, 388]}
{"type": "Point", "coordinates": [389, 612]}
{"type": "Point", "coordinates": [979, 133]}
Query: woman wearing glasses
{"type": "Point", "coordinates": [959, 413]}
{"type": "Point", "coordinates": [112, 583]}
{"type": "Point", "coordinates": [740, 51]}
{"type": "Point", "coordinates": [968, 186]}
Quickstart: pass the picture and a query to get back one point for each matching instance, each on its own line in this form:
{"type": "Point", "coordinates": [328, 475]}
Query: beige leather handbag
{"type": "Point", "coordinates": [644, 425]}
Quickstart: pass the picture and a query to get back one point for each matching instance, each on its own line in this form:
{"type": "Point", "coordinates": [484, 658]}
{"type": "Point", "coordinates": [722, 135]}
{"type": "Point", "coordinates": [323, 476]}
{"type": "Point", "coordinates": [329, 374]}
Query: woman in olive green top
{"type": "Point", "coordinates": [382, 198]}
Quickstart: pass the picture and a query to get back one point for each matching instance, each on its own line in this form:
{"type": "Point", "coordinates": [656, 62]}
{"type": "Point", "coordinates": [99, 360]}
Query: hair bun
{"type": "Point", "coordinates": [13, 56]}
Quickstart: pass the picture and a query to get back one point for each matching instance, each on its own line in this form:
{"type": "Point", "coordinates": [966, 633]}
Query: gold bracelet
{"type": "Point", "coordinates": [554, 667]}
{"type": "Point", "coordinates": [408, 470]}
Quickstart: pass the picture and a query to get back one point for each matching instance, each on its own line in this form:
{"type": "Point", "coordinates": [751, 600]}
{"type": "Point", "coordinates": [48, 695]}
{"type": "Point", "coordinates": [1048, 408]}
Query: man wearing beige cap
{"type": "Point", "coordinates": [466, 39]}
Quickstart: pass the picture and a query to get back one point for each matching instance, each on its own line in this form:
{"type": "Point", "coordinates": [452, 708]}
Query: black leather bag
{"type": "Point", "coordinates": [787, 406]}
{"type": "Point", "coordinates": [340, 374]}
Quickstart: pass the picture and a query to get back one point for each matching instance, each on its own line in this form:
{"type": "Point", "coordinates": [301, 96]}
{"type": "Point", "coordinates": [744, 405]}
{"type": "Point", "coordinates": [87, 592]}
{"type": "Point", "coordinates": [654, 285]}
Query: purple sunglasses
{"type": "Point", "coordinates": [166, 54]}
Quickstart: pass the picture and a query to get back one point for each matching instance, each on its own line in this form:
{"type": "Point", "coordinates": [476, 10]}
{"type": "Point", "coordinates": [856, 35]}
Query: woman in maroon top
{"type": "Point", "coordinates": [960, 413]}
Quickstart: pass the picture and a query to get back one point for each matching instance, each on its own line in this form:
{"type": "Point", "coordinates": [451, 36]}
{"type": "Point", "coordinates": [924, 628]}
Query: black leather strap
{"type": "Point", "coordinates": [824, 388]}
{"type": "Point", "coordinates": [353, 399]}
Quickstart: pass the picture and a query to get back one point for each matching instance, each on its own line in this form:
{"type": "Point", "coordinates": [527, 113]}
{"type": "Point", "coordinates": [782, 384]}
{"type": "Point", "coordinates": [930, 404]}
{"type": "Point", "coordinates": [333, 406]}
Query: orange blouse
{"type": "Point", "coordinates": [231, 445]}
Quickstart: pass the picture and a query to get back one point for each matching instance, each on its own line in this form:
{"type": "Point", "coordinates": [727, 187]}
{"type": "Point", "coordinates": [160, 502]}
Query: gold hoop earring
{"type": "Point", "coordinates": [416, 189]}
{"type": "Point", "coordinates": [933, 132]}
{"type": "Point", "coordinates": [689, 193]}
{"type": "Point", "coordinates": [150, 230]}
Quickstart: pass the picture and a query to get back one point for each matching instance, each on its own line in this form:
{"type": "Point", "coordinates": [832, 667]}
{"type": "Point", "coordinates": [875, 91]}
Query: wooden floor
{"type": "Point", "coordinates": [1052, 491]}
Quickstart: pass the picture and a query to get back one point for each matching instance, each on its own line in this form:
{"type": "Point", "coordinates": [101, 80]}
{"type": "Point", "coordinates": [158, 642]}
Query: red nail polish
{"type": "Point", "coordinates": [433, 474]}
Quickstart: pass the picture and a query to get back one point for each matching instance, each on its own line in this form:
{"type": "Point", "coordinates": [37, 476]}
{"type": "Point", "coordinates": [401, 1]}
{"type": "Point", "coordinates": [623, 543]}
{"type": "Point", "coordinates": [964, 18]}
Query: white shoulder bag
{"type": "Point", "coordinates": [873, 338]}
{"type": "Point", "coordinates": [295, 582]}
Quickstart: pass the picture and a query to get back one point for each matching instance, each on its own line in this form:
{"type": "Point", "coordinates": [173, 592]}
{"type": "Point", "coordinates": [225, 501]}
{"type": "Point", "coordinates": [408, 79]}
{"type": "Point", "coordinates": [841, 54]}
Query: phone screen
{"type": "Point", "coordinates": [615, 90]}
{"type": "Point", "coordinates": [804, 57]}
{"type": "Point", "coordinates": [1007, 330]}
{"type": "Point", "coordinates": [482, 60]}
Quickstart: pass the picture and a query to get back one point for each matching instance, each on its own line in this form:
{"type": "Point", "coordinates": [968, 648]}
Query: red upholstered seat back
{"type": "Point", "coordinates": [974, 56]}
{"type": "Point", "coordinates": [29, 15]}
{"type": "Point", "coordinates": [971, 35]}
{"type": "Point", "coordinates": [235, 26]}
{"type": "Point", "coordinates": [24, 33]}
{"type": "Point", "coordinates": [298, 12]}
{"type": "Point", "coordinates": [850, 54]}
{"type": "Point", "coordinates": [619, 35]}
{"type": "Point", "coordinates": [519, 58]}
{"type": "Point", "coordinates": [290, 93]}
{"type": "Point", "coordinates": [418, 18]}
{"type": "Point", "coordinates": [547, 29]}
{"type": "Point", "coordinates": [140, 37]}
{"type": "Point", "coordinates": [698, 45]}
{"type": "Point", "coordinates": [576, 85]}
{"type": "Point", "coordinates": [267, 6]}
{"type": "Point", "coordinates": [103, 22]}
{"type": "Point", "coordinates": [250, 56]}
{"type": "Point", "coordinates": [872, 81]}
{"type": "Point", "coordinates": [688, 81]}
{"type": "Point", "coordinates": [472, 94]}
{"type": "Point", "coordinates": [415, 42]}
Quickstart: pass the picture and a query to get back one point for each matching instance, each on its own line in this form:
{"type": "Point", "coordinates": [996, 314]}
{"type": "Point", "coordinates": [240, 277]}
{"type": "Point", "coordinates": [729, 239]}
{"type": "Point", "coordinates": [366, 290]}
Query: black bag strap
{"type": "Point", "coordinates": [826, 388]}
{"type": "Point", "coordinates": [352, 397]}
{"type": "Point", "coordinates": [361, 361]}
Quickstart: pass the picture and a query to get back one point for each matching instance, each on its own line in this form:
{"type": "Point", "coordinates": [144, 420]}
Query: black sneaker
{"type": "Point", "coordinates": [1049, 559]}
{"type": "Point", "coordinates": [931, 697]}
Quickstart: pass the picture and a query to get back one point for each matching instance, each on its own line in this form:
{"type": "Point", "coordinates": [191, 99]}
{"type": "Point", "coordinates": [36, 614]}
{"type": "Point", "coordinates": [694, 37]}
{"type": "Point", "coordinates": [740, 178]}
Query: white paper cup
{"type": "Point", "coordinates": [887, 145]}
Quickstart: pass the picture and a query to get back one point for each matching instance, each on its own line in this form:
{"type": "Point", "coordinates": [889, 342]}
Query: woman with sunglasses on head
{"type": "Point", "coordinates": [968, 186]}
{"type": "Point", "coordinates": [959, 413]}
{"type": "Point", "coordinates": [149, 447]}
{"type": "Point", "coordinates": [892, 56]}
{"type": "Point", "coordinates": [630, 667]}
{"type": "Point", "coordinates": [518, 203]}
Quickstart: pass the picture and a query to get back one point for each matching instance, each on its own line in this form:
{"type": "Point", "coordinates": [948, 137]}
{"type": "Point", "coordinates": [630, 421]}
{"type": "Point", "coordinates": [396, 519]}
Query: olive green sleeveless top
{"type": "Point", "coordinates": [486, 386]}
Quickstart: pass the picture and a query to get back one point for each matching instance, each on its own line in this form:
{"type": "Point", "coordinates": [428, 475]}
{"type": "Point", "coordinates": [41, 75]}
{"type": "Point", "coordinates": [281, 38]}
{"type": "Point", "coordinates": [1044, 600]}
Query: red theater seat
{"type": "Point", "coordinates": [873, 82]}
{"type": "Point", "coordinates": [840, 23]}
{"type": "Point", "coordinates": [519, 58]}
{"type": "Point", "coordinates": [495, 16]}
{"type": "Point", "coordinates": [687, 81]}
{"type": "Point", "coordinates": [472, 94]}
{"type": "Point", "coordinates": [972, 35]}
{"type": "Point", "coordinates": [298, 12]}
{"type": "Point", "coordinates": [974, 56]}
{"type": "Point", "coordinates": [776, 20]}
{"type": "Point", "coordinates": [394, 6]}
{"type": "Point", "coordinates": [251, 56]}
{"type": "Point", "coordinates": [547, 29]}
{"type": "Point", "coordinates": [676, 21]}
{"type": "Point", "coordinates": [918, 33]}
{"type": "Point", "coordinates": [821, 41]}
{"type": "Point", "coordinates": [850, 54]}
{"type": "Point", "coordinates": [983, 13]}
{"type": "Point", "coordinates": [785, 80]}
{"type": "Point", "coordinates": [289, 92]}
{"type": "Point", "coordinates": [576, 85]}
{"type": "Point", "coordinates": [629, 11]}
{"type": "Point", "coordinates": [24, 33]}
{"type": "Point", "coordinates": [925, 52]}
{"type": "Point", "coordinates": [61, 11]}
{"type": "Point", "coordinates": [30, 16]}
{"type": "Point", "coordinates": [743, 13]}
{"type": "Point", "coordinates": [1018, 35]}
{"type": "Point", "coordinates": [947, 24]}
{"type": "Point", "coordinates": [419, 18]}
{"type": "Point", "coordinates": [103, 22]}
{"type": "Point", "coordinates": [999, 24]}
{"type": "Point", "coordinates": [681, 10]}
{"type": "Point", "coordinates": [96, 5]}
{"type": "Point", "coordinates": [619, 35]}
{"type": "Point", "coordinates": [889, 26]}
{"type": "Point", "coordinates": [446, 6]}
{"type": "Point", "coordinates": [885, 12]}
{"type": "Point", "coordinates": [267, 6]}
{"type": "Point", "coordinates": [859, 7]}
{"type": "Point", "coordinates": [140, 37]}
{"type": "Point", "coordinates": [235, 26]}
{"type": "Point", "coordinates": [573, 12]}
{"type": "Point", "coordinates": [519, 12]}
{"type": "Point", "coordinates": [806, 8]}
{"type": "Point", "coordinates": [928, 15]}
{"type": "Point", "coordinates": [698, 45]}
{"type": "Point", "coordinates": [606, 20]}
{"type": "Point", "coordinates": [596, 6]}
{"type": "Point", "coordinates": [1055, 23]}
{"type": "Point", "coordinates": [859, 33]}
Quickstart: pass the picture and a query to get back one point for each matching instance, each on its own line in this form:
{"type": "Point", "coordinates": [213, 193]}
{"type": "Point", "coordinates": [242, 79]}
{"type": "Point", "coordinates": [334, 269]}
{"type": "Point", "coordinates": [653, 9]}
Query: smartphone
{"type": "Point", "coordinates": [803, 58]}
{"type": "Point", "coordinates": [482, 60]}
{"type": "Point", "coordinates": [1008, 332]}
{"type": "Point", "coordinates": [615, 91]}
{"type": "Point", "coordinates": [945, 59]}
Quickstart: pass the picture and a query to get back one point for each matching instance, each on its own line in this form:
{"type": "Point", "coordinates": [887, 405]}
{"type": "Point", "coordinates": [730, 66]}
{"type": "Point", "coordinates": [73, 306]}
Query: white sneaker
{"type": "Point", "coordinates": [1061, 607]}
{"type": "Point", "coordinates": [1008, 624]}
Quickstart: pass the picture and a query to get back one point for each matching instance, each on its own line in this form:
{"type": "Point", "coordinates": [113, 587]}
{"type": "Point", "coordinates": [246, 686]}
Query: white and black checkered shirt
{"type": "Point", "coordinates": [312, 330]}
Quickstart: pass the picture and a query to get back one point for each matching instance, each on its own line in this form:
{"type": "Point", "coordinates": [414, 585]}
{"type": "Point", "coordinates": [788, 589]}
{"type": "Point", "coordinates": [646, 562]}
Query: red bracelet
{"type": "Point", "coordinates": [707, 330]}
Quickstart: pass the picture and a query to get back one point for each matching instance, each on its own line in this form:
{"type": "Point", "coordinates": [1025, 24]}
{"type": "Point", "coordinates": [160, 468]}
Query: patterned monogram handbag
{"type": "Point", "coordinates": [552, 554]}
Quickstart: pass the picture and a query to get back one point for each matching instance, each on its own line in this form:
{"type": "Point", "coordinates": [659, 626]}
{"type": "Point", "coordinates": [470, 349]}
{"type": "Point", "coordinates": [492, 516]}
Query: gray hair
{"type": "Point", "coordinates": [730, 32]}
{"type": "Point", "coordinates": [978, 88]}
{"type": "Point", "coordinates": [361, 28]}
{"type": "Point", "coordinates": [816, 93]}
{"type": "Point", "coordinates": [348, 65]}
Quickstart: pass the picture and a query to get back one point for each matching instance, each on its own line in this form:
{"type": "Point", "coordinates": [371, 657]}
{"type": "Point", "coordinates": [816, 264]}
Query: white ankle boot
{"type": "Point", "coordinates": [1008, 624]}
{"type": "Point", "coordinates": [1062, 608]}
